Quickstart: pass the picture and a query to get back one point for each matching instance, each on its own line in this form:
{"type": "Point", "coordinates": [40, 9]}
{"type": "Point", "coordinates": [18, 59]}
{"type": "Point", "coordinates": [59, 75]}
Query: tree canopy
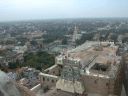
{"type": "Point", "coordinates": [39, 60]}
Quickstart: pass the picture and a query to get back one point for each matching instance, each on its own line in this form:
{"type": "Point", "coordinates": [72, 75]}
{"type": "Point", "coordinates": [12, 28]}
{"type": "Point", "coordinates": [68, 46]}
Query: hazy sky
{"type": "Point", "coordinates": [44, 9]}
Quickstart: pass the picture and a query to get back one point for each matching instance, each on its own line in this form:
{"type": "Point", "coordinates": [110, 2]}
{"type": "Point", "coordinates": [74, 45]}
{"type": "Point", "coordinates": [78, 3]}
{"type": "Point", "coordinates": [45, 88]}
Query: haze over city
{"type": "Point", "coordinates": [12, 10]}
{"type": "Point", "coordinates": [63, 48]}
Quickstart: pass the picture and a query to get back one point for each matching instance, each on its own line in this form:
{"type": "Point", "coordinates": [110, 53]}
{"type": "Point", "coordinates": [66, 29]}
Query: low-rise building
{"type": "Point", "coordinates": [30, 77]}
{"type": "Point", "coordinates": [92, 69]}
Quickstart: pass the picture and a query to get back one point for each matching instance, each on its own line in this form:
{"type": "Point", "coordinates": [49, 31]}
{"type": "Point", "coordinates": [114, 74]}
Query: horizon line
{"type": "Point", "coordinates": [43, 19]}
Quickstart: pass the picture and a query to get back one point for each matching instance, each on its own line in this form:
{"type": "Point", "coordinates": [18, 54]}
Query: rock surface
{"type": "Point", "coordinates": [10, 88]}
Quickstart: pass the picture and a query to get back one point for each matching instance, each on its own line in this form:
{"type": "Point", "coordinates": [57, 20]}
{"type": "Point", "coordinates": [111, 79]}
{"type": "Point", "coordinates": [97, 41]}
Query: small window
{"type": "Point", "coordinates": [107, 84]}
{"type": "Point", "coordinates": [52, 81]}
{"type": "Point", "coordinates": [70, 70]}
{"type": "Point", "coordinates": [43, 79]}
{"type": "Point", "coordinates": [95, 81]}
{"type": "Point", "coordinates": [61, 67]}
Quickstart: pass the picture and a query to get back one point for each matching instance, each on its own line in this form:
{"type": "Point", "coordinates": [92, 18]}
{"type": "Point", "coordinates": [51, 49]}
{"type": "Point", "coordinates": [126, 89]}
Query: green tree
{"type": "Point", "coordinates": [64, 41]}
{"type": "Point", "coordinates": [12, 65]}
{"type": "Point", "coordinates": [39, 60]}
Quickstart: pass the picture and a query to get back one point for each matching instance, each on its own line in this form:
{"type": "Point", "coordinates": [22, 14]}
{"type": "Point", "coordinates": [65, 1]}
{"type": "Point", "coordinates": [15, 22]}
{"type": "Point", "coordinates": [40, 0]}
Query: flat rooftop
{"type": "Point", "coordinates": [89, 48]}
{"type": "Point", "coordinates": [95, 57]}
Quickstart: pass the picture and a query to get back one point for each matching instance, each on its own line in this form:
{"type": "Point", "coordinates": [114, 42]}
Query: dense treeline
{"type": "Point", "coordinates": [39, 60]}
{"type": "Point", "coordinates": [84, 38]}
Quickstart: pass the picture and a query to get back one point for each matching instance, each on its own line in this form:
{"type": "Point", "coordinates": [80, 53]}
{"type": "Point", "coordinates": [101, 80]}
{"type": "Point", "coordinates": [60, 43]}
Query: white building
{"type": "Point", "coordinates": [20, 49]}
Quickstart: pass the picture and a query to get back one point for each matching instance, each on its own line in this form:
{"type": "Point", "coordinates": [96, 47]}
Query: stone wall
{"type": "Point", "coordinates": [126, 73]}
{"type": "Point", "coordinates": [36, 88]}
{"type": "Point", "coordinates": [48, 80]}
{"type": "Point", "coordinates": [54, 70]}
{"type": "Point", "coordinates": [96, 85]}
{"type": "Point", "coordinates": [103, 86]}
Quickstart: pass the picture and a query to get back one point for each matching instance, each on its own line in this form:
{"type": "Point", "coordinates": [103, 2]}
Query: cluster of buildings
{"type": "Point", "coordinates": [11, 57]}
{"type": "Point", "coordinates": [28, 77]}
{"type": "Point", "coordinates": [92, 69]}
{"type": "Point", "coordinates": [11, 88]}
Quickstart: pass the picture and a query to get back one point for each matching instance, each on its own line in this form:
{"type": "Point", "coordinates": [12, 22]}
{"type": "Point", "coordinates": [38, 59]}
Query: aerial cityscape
{"type": "Point", "coordinates": [69, 52]}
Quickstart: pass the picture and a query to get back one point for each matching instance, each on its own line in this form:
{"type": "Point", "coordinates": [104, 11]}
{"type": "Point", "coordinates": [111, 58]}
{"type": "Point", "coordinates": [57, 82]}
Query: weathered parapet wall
{"type": "Point", "coordinates": [125, 59]}
{"type": "Point", "coordinates": [54, 70]}
{"type": "Point", "coordinates": [48, 80]}
{"type": "Point", "coordinates": [70, 86]}
{"type": "Point", "coordinates": [36, 88]}
{"type": "Point", "coordinates": [103, 85]}
{"type": "Point", "coordinates": [97, 85]}
{"type": "Point", "coordinates": [119, 80]}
